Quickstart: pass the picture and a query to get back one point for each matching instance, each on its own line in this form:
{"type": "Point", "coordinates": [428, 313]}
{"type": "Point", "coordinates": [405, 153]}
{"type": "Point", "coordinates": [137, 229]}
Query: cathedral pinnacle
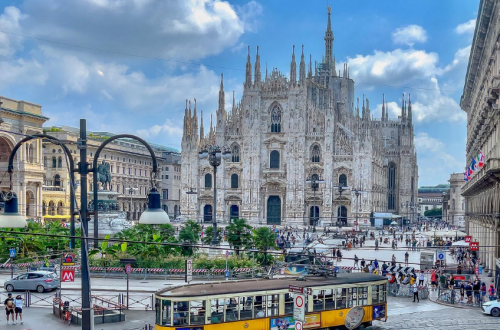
{"type": "Point", "coordinates": [309, 75]}
{"type": "Point", "coordinates": [248, 75]}
{"type": "Point", "coordinates": [383, 107]}
{"type": "Point", "coordinates": [293, 69]}
{"type": "Point", "coordinates": [222, 98]}
{"type": "Point", "coordinates": [410, 117]}
{"type": "Point", "coordinates": [302, 71]}
{"type": "Point", "coordinates": [328, 39]}
{"type": "Point", "coordinates": [257, 79]}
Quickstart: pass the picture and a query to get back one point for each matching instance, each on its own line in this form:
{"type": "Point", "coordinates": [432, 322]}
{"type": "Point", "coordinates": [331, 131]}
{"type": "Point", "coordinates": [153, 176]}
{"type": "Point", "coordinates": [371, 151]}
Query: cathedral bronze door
{"type": "Point", "coordinates": [274, 210]}
{"type": "Point", "coordinates": [207, 213]}
{"type": "Point", "coordinates": [313, 215]}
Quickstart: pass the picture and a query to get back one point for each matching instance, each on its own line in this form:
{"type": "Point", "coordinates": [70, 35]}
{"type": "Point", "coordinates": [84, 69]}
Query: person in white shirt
{"type": "Point", "coordinates": [18, 302]}
{"type": "Point", "coordinates": [415, 292]}
{"type": "Point", "coordinates": [421, 278]}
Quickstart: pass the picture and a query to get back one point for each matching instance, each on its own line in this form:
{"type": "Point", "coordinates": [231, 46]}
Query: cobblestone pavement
{"type": "Point", "coordinates": [405, 314]}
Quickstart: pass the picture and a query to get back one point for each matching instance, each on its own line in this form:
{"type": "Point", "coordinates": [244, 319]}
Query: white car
{"type": "Point", "coordinates": [492, 307]}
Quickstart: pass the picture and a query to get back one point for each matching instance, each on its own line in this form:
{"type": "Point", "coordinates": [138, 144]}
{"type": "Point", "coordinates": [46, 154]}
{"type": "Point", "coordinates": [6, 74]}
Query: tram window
{"type": "Point", "coordinates": [363, 296]}
{"type": "Point", "coordinates": [318, 298]}
{"type": "Point", "coordinates": [231, 309]}
{"type": "Point", "coordinates": [181, 310]}
{"type": "Point", "coordinates": [375, 294]}
{"type": "Point", "coordinates": [341, 297]}
{"type": "Point", "coordinates": [246, 308]}
{"type": "Point", "coordinates": [383, 293]}
{"type": "Point", "coordinates": [352, 295]}
{"type": "Point", "coordinates": [197, 312]}
{"type": "Point", "coordinates": [217, 310]}
{"type": "Point", "coordinates": [288, 304]}
{"type": "Point", "coordinates": [165, 312]}
{"type": "Point", "coordinates": [273, 305]}
{"type": "Point", "coordinates": [259, 306]}
{"type": "Point", "coordinates": [158, 311]}
{"type": "Point", "coordinates": [329, 299]}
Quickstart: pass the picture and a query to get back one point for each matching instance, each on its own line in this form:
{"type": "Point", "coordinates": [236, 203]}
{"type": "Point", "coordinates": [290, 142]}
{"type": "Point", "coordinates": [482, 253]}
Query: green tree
{"type": "Point", "coordinates": [189, 235]}
{"type": "Point", "coordinates": [208, 236]}
{"type": "Point", "coordinates": [239, 235]}
{"type": "Point", "coordinates": [437, 213]}
{"type": "Point", "coordinates": [264, 239]}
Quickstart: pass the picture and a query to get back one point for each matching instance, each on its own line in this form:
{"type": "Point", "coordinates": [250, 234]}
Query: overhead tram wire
{"type": "Point", "coordinates": [190, 63]}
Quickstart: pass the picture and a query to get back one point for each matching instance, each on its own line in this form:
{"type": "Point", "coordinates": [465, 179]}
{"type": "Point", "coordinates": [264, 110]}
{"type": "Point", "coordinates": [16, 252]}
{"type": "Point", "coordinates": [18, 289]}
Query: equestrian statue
{"type": "Point", "coordinates": [104, 175]}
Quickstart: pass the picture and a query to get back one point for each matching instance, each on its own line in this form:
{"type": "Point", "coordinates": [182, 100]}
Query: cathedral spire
{"type": "Point", "coordinates": [328, 39]}
{"type": "Point", "coordinates": [386, 112]}
{"type": "Point", "coordinates": [410, 117]}
{"type": "Point", "coordinates": [222, 98]}
{"type": "Point", "coordinates": [257, 79]}
{"type": "Point", "coordinates": [293, 69]}
{"type": "Point", "coordinates": [363, 108]}
{"type": "Point", "coordinates": [334, 71]}
{"type": "Point", "coordinates": [357, 107]}
{"type": "Point", "coordinates": [248, 75]}
{"type": "Point", "coordinates": [202, 130]}
{"type": "Point", "coordinates": [383, 107]}
{"type": "Point", "coordinates": [403, 115]}
{"type": "Point", "coordinates": [302, 71]}
{"type": "Point", "coordinates": [309, 75]}
{"type": "Point", "coordinates": [195, 121]}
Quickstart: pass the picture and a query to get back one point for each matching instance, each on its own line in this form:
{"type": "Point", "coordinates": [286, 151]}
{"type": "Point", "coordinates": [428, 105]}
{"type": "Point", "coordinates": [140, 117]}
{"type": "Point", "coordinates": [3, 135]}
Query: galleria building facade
{"type": "Point", "coordinates": [287, 132]}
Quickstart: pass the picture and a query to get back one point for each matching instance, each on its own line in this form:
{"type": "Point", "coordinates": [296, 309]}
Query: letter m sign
{"type": "Point", "coordinates": [68, 275]}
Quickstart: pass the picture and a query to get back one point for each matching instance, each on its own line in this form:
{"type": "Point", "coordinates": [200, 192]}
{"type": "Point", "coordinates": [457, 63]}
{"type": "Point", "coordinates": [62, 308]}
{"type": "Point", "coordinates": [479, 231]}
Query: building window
{"type": "Point", "coordinates": [235, 154]}
{"type": "Point", "coordinates": [111, 168]}
{"type": "Point", "coordinates": [276, 119]}
{"type": "Point", "coordinates": [315, 154]}
{"type": "Point", "coordinates": [343, 180]}
{"type": "Point", "coordinates": [274, 159]}
{"type": "Point", "coordinates": [59, 162]}
{"type": "Point", "coordinates": [166, 168]}
{"type": "Point", "coordinates": [45, 161]}
{"type": "Point", "coordinates": [234, 181]}
{"type": "Point", "coordinates": [165, 194]}
{"type": "Point", "coordinates": [57, 180]}
{"type": "Point", "coordinates": [427, 208]}
{"type": "Point", "coordinates": [166, 176]}
{"type": "Point", "coordinates": [129, 171]}
{"type": "Point", "coordinates": [54, 162]}
{"type": "Point", "coordinates": [140, 172]}
{"type": "Point", "coordinates": [208, 180]}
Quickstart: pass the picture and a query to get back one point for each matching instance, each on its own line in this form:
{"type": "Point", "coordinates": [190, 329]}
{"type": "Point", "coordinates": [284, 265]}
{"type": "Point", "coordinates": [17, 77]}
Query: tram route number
{"type": "Point", "coordinates": [299, 289]}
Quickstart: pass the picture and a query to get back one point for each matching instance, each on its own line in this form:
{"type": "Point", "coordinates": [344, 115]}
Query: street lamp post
{"type": "Point", "coordinates": [189, 193]}
{"type": "Point", "coordinates": [214, 154]}
{"type": "Point", "coordinates": [357, 192]}
{"type": "Point", "coordinates": [341, 188]}
{"type": "Point", "coordinates": [315, 181]}
{"type": "Point", "coordinates": [131, 192]}
{"type": "Point", "coordinates": [10, 218]}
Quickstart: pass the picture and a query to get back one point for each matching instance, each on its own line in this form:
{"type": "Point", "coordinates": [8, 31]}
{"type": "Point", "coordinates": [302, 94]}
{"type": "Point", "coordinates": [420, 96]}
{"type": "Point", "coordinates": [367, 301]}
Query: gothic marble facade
{"type": "Point", "coordinates": [286, 130]}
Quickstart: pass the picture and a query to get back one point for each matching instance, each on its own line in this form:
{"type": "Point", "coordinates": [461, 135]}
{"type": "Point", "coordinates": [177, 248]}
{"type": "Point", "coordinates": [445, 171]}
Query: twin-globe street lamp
{"type": "Point", "coordinates": [315, 181]}
{"type": "Point", "coordinates": [11, 218]}
{"type": "Point", "coordinates": [214, 154]}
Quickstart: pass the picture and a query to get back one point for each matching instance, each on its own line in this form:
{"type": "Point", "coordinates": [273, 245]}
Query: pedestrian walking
{"type": "Point", "coordinates": [376, 244]}
{"type": "Point", "coordinates": [363, 263]}
{"type": "Point", "coordinates": [9, 307]}
{"type": "Point", "coordinates": [18, 303]}
{"type": "Point", "coordinates": [491, 292]}
{"type": "Point", "coordinates": [421, 278]}
{"type": "Point", "coordinates": [415, 292]}
{"type": "Point", "coordinates": [406, 258]}
{"type": "Point", "coordinates": [356, 261]}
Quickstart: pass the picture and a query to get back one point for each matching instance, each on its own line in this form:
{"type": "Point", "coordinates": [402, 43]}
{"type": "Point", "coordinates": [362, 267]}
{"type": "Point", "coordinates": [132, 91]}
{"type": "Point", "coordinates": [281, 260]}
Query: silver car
{"type": "Point", "coordinates": [40, 281]}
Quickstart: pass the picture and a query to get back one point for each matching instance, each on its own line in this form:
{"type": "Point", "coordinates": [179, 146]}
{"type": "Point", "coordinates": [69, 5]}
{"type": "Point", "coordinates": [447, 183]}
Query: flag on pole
{"type": "Point", "coordinates": [481, 159]}
{"type": "Point", "coordinates": [466, 177]}
{"type": "Point", "coordinates": [473, 164]}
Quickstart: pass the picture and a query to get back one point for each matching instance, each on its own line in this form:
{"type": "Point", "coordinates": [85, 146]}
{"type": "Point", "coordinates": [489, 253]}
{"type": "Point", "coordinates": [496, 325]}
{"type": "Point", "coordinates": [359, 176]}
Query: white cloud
{"type": "Point", "coordinates": [178, 30]}
{"type": "Point", "coordinates": [168, 129]}
{"type": "Point", "coordinates": [10, 22]}
{"type": "Point", "coordinates": [466, 28]}
{"type": "Point", "coordinates": [409, 35]}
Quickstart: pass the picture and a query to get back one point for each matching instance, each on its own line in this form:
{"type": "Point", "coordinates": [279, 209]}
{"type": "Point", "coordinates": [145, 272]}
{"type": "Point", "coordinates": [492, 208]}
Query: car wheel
{"type": "Point", "coordinates": [495, 311]}
{"type": "Point", "coordinates": [9, 288]}
{"type": "Point", "coordinates": [40, 289]}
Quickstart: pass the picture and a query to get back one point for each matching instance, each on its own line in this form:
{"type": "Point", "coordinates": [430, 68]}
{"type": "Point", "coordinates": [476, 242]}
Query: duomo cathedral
{"type": "Point", "coordinates": [301, 146]}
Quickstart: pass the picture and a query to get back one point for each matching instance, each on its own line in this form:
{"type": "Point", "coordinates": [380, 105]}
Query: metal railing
{"type": "Point", "coordinates": [454, 297]}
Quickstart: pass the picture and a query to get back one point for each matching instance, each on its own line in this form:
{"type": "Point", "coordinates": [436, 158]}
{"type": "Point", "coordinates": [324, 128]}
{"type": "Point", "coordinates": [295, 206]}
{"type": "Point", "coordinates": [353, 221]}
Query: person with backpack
{"type": "Point", "coordinates": [491, 292]}
{"type": "Point", "coordinates": [483, 291]}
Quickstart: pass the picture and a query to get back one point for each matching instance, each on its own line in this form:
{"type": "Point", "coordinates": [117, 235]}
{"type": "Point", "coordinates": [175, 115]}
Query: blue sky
{"type": "Point", "coordinates": [128, 66]}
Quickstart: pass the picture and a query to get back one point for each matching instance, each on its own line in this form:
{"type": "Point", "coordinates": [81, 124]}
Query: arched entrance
{"type": "Point", "coordinates": [342, 215]}
{"type": "Point", "coordinates": [30, 204]}
{"type": "Point", "coordinates": [52, 208]}
{"type": "Point", "coordinates": [60, 208]}
{"type": "Point", "coordinates": [274, 210]}
{"type": "Point", "coordinates": [207, 213]}
{"type": "Point", "coordinates": [234, 212]}
{"type": "Point", "coordinates": [5, 149]}
{"type": "Point", "coordinates": [313, 215]}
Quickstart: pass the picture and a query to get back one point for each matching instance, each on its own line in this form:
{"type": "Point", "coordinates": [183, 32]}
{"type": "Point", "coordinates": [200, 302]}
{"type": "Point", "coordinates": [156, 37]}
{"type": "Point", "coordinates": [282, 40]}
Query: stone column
{"type": "Point", "coordinates": [39, 200]}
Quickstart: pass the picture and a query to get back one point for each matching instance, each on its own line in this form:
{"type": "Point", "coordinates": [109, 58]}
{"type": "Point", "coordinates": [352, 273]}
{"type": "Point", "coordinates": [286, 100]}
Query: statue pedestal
{"type": "Point", "coordinates": [111, 220]}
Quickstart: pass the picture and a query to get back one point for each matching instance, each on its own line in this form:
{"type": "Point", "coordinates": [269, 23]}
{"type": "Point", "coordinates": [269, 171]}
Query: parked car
{"type": "Point", "coordinates": [492, 307]}
{"type": "Point", "coordinates": [38, 280]}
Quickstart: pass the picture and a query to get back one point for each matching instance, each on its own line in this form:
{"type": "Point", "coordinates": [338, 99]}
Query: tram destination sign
{"type": "Point", "coordinates": [299, 289]}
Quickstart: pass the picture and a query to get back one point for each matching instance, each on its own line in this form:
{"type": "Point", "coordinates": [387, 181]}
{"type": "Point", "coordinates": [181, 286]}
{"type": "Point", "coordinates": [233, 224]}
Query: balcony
{"type": "Point", "coordinates": [489, 174]}
{"type": "Point", "coordinates": [53, 188]}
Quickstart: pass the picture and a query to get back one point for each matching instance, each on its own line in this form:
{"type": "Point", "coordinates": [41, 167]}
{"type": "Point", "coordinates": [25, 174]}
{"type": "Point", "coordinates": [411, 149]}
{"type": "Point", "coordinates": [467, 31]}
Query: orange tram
{"type": "Point", "coordinates": [267, 304]}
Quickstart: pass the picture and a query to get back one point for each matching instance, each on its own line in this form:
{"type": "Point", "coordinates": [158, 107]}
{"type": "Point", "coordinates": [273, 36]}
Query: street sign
{"type": "Point", "coordinates": [69, 259]}
{"type": "Point", "coordinates": [128, 269]}
{"type": "Point", "coordinates": [299, 325]}
{"type": "Point", "coordinates": [440, 255]}
{"type": "Point", "coordinates": [68, 275]}
{"type": "Point", "coordinates": [299, 307]}
{"type": "Point", "coordinates": [296, 289]}
{"type": "Point", "coordinates": [323, 259]}
{"type": "Point", "coordinates": [336, 269]}
{"type": "Point", "coordinates": [468, 239]}
{"type": "Point", "coordinates": [12, 253]}
{"type": "Point", "coordinates": [189, 270]}
{"type": "Point", "coordinates": [226, 273]}
{"type": "Point", "coordinates": [474, 246]}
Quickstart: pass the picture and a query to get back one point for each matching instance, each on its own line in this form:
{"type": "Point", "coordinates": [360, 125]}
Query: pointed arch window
{"type": "Point", "coordinates": [276, 119]}
{"type": "Point", "coordinates": [315, 154]}
{"type": "Point", "coordinates": [391, 187]}
{"type": "Point", "coordinates": [235, 154]}
{"type": "Point", "coordinates": [343, 180]}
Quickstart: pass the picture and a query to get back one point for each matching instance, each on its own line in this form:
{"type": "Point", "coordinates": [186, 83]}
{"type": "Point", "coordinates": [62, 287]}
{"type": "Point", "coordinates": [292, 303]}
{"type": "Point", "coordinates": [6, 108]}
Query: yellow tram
{"type": "Point", "coordinates": [267, 304]}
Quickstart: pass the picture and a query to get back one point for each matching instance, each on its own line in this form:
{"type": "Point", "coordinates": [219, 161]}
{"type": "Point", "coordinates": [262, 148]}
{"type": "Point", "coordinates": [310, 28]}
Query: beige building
{"type": "Point", "coordinates": [130, 166]}
{"type": "Point", "coordinates": [21, 118]}
{"type": "Point", "coordinates": [480, 100]}
{"type": "Point", "coordinates": [454, 202]}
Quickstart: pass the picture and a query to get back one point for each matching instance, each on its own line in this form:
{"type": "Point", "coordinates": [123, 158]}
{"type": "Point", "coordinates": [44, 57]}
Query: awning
{"type": "Point", "coordinates": [59, 216]}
